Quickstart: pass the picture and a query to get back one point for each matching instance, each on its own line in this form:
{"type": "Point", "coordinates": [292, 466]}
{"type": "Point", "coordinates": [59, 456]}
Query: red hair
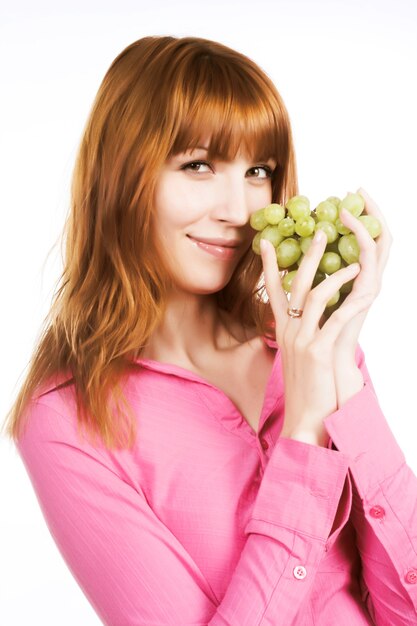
{"type": "Point", "coordinates": [159, 96]}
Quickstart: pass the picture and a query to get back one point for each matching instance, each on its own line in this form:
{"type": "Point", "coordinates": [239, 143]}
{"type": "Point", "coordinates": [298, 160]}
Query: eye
{"type": "Point", "coordinates": [191, 166]}
{"type": "Point", "coordinates": [188, 165]}
{"type": "Point", "coordinates": [266, 169]}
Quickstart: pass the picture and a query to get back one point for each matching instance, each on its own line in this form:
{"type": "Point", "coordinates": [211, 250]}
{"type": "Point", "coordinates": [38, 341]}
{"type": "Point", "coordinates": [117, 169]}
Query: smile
{"type": "Point", "coordinates": [220, 252]}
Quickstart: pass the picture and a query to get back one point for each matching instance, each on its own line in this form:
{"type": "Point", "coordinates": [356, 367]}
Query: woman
{"type": "Point", "coordinates": [203, 454]}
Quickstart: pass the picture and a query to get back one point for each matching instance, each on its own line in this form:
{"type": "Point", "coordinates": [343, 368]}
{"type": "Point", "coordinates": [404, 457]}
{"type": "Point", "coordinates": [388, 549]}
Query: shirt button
{"type": "Point", "coordinates": [411, 576]}
{"type": "Point", "coordinates": [264, 444]}
{"type": "Point", "coordinates": [300, 571]}
{"type": "Point", "coordinates": [377, 511]}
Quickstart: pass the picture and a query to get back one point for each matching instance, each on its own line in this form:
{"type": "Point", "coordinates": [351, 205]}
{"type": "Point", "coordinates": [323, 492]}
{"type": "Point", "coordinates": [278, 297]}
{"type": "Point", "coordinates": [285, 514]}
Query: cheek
{"type": "Point", "coordinates": [176, 208]}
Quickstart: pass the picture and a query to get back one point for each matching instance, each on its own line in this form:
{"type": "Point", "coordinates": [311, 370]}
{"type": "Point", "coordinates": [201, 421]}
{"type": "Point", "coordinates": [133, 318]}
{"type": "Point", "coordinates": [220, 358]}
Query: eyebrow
{"type": "Point", "coordinates": [206, 150]}
{"type": "Point", "coordinates": [271, 158]}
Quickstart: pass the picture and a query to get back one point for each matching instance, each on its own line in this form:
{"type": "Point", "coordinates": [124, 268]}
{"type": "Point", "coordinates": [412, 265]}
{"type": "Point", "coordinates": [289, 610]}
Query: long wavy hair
{"type": "Point", "coordinates": [158, 97]}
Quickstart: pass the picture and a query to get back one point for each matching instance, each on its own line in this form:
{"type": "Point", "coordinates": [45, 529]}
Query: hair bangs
{"type": "Point", "coordinates": [225, 112]}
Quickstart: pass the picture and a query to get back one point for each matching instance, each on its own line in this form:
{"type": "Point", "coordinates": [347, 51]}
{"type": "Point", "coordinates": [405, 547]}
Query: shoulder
{"type": "Point", "coordinates": [49, 413]}
{"type": "Point", "coordinates": [57, 394]}
{"type": "Point", "coordinates": [51, 436]}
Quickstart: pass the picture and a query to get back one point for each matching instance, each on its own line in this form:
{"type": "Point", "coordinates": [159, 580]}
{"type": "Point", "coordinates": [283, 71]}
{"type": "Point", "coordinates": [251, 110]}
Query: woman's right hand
{"type": "Point", "coordinates": [306, 349]}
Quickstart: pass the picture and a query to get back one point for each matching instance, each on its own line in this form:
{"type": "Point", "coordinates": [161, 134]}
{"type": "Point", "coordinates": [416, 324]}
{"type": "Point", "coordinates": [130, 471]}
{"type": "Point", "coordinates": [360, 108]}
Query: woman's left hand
{"type": "Point", "coordinates": [373, 257]}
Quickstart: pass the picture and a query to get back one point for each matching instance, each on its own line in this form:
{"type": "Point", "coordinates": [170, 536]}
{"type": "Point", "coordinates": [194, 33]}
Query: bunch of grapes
{"type": "Point", "coordinates": [291, 229]}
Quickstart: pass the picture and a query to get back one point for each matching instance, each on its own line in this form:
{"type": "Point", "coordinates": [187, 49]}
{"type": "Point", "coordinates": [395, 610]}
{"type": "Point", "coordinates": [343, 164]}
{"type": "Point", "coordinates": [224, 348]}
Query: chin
{"type": "Point", "coordinates": [205, 287]}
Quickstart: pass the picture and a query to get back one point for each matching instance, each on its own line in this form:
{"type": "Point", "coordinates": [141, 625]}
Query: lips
{"type": "Point", "coordinates": [221, 252]}
{"type": "Point", "coordinates": [220, 242]}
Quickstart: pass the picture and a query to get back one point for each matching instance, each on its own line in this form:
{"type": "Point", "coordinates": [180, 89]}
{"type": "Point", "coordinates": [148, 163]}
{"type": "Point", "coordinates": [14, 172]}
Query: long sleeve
{"type": "Point", "coordinates": [384, 505]}
{"type": "Point", "coordinates": [133, 569]}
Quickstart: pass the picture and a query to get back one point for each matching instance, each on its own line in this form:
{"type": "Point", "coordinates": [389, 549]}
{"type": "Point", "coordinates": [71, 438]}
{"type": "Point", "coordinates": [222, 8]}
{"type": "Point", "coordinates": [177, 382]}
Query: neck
{"type": "Point", "coordinates": [193, 329]}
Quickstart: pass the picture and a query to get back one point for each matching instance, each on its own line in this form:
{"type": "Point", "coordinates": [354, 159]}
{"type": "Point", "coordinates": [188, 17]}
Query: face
{"type": "Point", "coordinates": [195, 200]}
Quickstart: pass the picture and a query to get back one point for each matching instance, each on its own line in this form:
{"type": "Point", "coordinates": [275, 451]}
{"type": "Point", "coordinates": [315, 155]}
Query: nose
{"type": "Point", "coordinates": [233, 201]}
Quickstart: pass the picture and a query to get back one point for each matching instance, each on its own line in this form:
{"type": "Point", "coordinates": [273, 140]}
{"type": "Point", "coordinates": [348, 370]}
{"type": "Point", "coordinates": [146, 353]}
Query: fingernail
{"type": "Point", "coordinates": [263, 245]}
{"type": "Point", "coordinates": [318, 236]}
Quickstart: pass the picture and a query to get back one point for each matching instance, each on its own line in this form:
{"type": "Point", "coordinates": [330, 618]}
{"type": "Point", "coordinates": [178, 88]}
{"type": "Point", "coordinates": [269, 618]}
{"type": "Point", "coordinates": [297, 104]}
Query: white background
{"type": "Point", "coordinates": [347, 73]}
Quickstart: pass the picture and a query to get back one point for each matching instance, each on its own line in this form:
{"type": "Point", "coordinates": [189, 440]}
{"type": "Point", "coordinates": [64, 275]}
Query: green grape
{"type": "Point", "coordinates": [287, 252]}
{"type": "Point", "coordinates": [332, 308]}
{"type": "Point", "coordinates": [298, 207]}
{"type": "Point", "coordinates": [349, 248]}
{"type": "Point", "coordinates": [304, 227]}
{"type": "Point", "coordinates": [333, 299]}
{"type": "Point", "coordinates": [332, 247]}
{"type": "Point", "coordinates": [274, 213]}
{"type": "Point", "coordinates": [318, 278]}
{"type": "Point", "coordinates": [341, 228]}
{"type": "Point", "coordinates": [330, 262]}
{"type": "Point", "coordinates": [287, 280]}
{"type": "Point", "coordinates": [354, 203]}
{"type": "Point", "coordinates": [336, 201]}
{"type": "Point", "coordinates": [326, 211]}
{"type": "Point", "coordinates": [347, 287]}
{"type": "Point", "coordinates": [272, 234]}
{"type": "Point", "coordinates": [286, 227]}
{"type": "Point", "coordinates": [258, 220]}
{"type": "Point", "coordinates": [290, 229]}
{"type": "Point", "coordinates": [305, 243]}
{"type": "Point", "coordinates": [371, 224]}
{"type": "Point", "coordinates": [256, 243]}
{"type": "Point", "coordinates": [292, 267]}
{"type": "Point", "coordinates": [330, 230]}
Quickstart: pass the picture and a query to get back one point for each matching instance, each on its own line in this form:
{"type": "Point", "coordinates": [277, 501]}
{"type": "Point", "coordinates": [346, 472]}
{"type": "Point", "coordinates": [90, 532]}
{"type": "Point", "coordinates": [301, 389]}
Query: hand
{"type": "Point", "coordinates": [308, 350]}
{"type": "Point", "coordinates": [349, 379]}
{"type": "Point", "coordinates": [373, 258]}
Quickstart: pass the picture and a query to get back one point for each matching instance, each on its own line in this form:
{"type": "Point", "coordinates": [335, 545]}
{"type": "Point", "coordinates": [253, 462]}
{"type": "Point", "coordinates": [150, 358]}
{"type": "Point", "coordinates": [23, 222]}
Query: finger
{"type": "Point", "coordinates": [276, 294]}
{"type": "Point", "coordinates": [372, 208]}
{"type": "Point", "coordinates": [320, 295]}
{"type": "Point", "coordinates": [384, 240]}
{"type": "Point", "coordinates": [383, 258]}
{"type": "Point", "coordinates": [337, 321]}
{"type": "Point", "coordinates": [301, 284]}
{"type": "Point", "coordinates": [367, 245]}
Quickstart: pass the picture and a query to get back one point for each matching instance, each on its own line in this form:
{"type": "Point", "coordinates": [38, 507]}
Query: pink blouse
{"type": "Point", "coordinates": [207, 522]}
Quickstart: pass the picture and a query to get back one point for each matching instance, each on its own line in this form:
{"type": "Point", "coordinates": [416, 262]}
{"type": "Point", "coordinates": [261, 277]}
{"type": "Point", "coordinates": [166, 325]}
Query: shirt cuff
{"type": "Point", "coordinates": [300, 490]}
{"type": "Point", "coordinates": [360, 430]}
